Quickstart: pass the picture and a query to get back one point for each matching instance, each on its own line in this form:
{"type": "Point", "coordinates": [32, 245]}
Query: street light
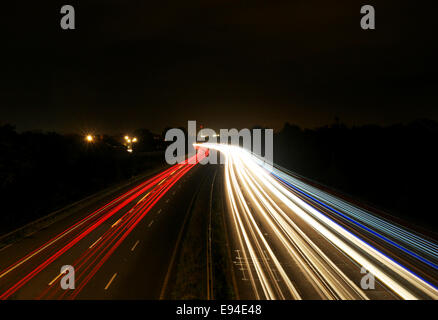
{"type": "Point", "coordinates": [129, 142]}
{"type": "Point", "coordinates": [89, 138]}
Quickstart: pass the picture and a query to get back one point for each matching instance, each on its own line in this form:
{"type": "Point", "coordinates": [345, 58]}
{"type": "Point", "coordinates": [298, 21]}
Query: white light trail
{"type": "Point", "coordinates": [259, 203]}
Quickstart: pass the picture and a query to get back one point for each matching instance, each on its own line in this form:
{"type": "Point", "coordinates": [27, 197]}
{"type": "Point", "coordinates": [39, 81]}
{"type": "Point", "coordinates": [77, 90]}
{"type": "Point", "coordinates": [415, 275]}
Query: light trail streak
{"type": "Point", "coordinates": [94, 243]}
{"type": "Point", "coordinates": [79, 224]}
{"type": "Point", "coordinates": [127, 230]}
{"type": "Point", "coordinates": [108, 242]}
{"type": "Point", "coordinates": [56, 278]}
{"type": "Point", "coordinates": [260, 203]}
{"type": "Point", "coordinates": [111, 281]}
{"type": "Point", "coordinates": [368, 221]}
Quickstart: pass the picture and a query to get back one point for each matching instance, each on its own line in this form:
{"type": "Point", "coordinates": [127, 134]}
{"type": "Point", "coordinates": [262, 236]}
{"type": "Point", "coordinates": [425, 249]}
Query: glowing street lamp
{"type": "Point", "coordinates": [129, 142]}
{"type": "Point", "coordinates": [89, 138]}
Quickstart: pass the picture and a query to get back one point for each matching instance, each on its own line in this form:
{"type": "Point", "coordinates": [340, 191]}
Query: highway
{"type": "Point", "coordinates": [286, 239]}
{"type": "Point", "coordinates": [121, 250]}
{"type": "Point", "coordinates": [290, 240]}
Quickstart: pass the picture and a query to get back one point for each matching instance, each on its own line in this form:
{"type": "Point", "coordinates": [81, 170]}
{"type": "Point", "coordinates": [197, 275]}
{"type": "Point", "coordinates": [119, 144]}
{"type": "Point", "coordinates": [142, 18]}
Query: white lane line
{"type": "Point", "coordinates": [159, 211]}
{"type": "Point", "coordinates": [95, 243]}
{"type": "Point", "coordinates": [59, 237]}
{"type": "Point", "coordinates": [111, 281]}
{"type": "Point", "coordinates": [135, 245]}
{"type": "Point", "coordinates": [9, 245]}
{"type": "Point", "coordinates": [151, 223]}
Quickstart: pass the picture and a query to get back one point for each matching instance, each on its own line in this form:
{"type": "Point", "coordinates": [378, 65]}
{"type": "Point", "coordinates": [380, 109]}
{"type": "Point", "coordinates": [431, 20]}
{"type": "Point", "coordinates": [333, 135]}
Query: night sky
{"type": "Point", "coordinates": [153, 64]}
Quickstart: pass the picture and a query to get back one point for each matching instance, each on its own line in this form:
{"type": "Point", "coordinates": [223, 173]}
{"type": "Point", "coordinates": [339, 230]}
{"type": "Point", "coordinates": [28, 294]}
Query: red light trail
{"type": "Point", "coordinates": [90, 261]}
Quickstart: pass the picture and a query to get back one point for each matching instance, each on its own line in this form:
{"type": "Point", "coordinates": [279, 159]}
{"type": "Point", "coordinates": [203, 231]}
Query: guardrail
{"type": "Point", "coordinates": [62, 213]}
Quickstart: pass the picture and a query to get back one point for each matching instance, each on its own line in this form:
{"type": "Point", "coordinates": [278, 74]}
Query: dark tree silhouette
{"type": "Point", "coordinates": [393, 168]}
{"type": "Point", "coordinates": [41, 172]}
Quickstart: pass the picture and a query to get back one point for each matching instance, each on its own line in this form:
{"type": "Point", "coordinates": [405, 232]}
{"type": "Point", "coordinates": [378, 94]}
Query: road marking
{"type": "Point", "coordinates": [55, 240]}
{"type": "Point", "coordinates": [111, 281]}
{"type": "Point", "coordinates": [5, 247]}
{"type": "Point", "coordinates": [135, 245]}
{"type": "Point", "coordinates": [167, 200]}
{"type": "Point", "coordinates": [162, 181]}
{"type": "Point", "coordinates": [151, 223]}
{"type": "Point", "coordinates": [178, 240]}
{"type": "Point", "coordinates": [57, 277]}
{"type": "Point", "coordinates": [158, 212]}
{"type": "Point", "coordinates": [242, 268]}
{"type": "Point", "coordinates": [95, 243]}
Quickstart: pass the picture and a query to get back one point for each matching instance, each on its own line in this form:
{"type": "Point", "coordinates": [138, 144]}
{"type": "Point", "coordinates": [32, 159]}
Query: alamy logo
{"type": "Point", "coordinates": [367, 282]}
{"type": "Point", "coordinates": [251, 140]}
{"type": "Point", "coordinates": [68, 20]}
{"type": "Point", "coordinates": [68, 281]}
{"type": "Point", "coordinates": [368, 21]}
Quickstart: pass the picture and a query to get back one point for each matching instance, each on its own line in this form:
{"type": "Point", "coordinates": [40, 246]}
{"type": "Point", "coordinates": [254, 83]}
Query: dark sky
{"type": "Point", "coordinates": [152, 64]}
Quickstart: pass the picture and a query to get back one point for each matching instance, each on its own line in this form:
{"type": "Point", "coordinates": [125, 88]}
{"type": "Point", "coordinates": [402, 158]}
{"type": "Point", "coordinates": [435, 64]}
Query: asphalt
{"type": "Point", "coordinates": [136, 269]}
{"type": "Point", "coordinates": [297, 249]}
{"type": "Point", "coordinates": [126, 245]}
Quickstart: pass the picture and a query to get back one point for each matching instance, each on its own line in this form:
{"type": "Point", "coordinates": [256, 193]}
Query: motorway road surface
{"type": "Point", "coordinates": [287, 240]}
{"type": "Point", "coordinates": [119, 251]}
{"type": "Point", "coordinates": [288, 245]}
